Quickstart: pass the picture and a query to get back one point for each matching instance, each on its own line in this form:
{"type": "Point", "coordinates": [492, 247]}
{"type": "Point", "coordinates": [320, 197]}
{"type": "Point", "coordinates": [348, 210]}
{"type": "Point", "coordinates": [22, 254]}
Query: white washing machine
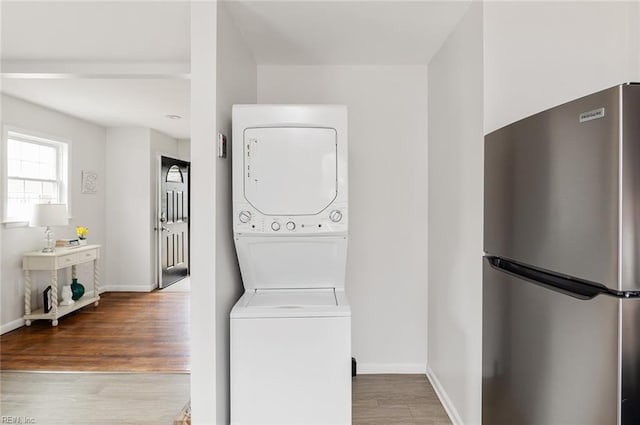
{"type": "Point", "coordinates": [291, 330]}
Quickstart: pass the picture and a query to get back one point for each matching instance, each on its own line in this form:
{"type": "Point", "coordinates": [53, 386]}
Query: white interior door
{"type": "Point", "coordinates": [173, 226]}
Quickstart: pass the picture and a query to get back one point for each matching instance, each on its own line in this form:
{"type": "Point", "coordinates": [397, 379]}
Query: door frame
{"type": "Point", "coordinates": [156, 217]}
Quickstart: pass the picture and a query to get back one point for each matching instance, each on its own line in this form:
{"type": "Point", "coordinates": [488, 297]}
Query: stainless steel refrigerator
{"type": "Point", "coordinates": [561, 283]}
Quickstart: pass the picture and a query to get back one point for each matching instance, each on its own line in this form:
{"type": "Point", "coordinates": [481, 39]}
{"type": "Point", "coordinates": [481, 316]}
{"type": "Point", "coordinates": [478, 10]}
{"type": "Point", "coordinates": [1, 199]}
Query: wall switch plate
{"type": "Point", "coordinates": [222, 145]}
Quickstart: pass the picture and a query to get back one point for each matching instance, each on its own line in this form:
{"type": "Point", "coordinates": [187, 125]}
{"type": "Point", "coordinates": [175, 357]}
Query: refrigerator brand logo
{"type": "Point", "coordinates": [592, 115]}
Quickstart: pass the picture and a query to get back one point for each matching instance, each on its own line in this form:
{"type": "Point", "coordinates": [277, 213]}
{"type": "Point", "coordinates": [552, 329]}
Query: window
{"type": "Point", "coordinates": [36, 172]}
{"type": "Point", "coordinates": [174, 175]}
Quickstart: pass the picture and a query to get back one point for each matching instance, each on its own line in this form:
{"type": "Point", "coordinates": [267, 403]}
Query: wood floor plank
{"type": "Point", "coordinates": [149, 332]}
{"type": "Point", "coordinates": [141, 399]}
{"type": "Point", "coordinates": [127, 332]}
{"type": "Point", "coordinates": [397, 400]}
{"type": "Point", "coordinates": [93, 399]}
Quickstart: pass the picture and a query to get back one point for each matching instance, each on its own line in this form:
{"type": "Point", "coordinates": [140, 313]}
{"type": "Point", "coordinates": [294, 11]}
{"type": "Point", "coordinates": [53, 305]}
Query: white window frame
{"type": "Point", "coordinates": [63, 149]}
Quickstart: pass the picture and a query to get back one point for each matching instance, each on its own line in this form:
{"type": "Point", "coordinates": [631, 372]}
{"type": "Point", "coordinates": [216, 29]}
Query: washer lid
{"type": "Point", "coordinates": [290, 170]}
{"type": "Point", "coordinates": [276, 303]}
{"type": "Point", "coordinates": [292, 298]}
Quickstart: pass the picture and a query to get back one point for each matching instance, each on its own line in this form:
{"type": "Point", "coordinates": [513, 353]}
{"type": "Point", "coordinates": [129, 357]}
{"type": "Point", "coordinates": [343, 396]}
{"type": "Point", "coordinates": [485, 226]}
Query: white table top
{"type": "Point", "coordinates": [61, 251]}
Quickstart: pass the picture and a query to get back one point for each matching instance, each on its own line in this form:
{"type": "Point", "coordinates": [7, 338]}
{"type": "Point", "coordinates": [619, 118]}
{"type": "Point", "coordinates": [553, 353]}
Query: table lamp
{"type": "Point", "coordinates": [47, 215]}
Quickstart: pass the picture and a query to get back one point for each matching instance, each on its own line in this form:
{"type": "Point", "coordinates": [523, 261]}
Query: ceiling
{"type": "Point", "coordinates": [101, 31]}
{"type": "Point", "coordinates": [132, 34]}
{"type": "Point", "coordinates": [102, 35]}
{"type": "Point", "coordinates": [112, 102]}
{"type": "Point", "coordinates": [378, 32]}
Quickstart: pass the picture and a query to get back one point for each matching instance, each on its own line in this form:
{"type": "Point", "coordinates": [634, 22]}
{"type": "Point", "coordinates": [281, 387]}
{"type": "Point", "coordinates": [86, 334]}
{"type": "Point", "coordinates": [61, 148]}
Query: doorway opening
{"type": "Point", "coordinates": [173, 221]}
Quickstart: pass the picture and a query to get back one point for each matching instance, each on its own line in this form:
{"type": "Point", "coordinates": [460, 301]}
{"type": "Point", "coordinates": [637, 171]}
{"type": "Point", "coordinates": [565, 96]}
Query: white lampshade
{"type": "Point", "coordinates": [49, 215]}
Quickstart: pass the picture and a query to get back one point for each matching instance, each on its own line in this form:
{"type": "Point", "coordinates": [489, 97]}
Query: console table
{"type": "Point", "coordinates": [61, 258]}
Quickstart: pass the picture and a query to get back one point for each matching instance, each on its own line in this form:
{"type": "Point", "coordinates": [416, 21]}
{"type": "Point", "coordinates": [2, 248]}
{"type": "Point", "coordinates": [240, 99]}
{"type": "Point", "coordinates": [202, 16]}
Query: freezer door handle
{"type": "Point", "coordinates": [572, 286]}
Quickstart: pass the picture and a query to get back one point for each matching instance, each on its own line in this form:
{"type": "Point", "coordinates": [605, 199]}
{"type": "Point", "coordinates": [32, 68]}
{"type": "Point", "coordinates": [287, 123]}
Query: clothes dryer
{"type": "Point", "coordinates": [291, 330]}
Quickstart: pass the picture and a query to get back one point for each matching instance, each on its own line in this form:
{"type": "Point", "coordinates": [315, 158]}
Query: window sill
{"type": "Point", "coordinates": [10, 224]}
{"type": "Point", "coordinates": [14, 224]}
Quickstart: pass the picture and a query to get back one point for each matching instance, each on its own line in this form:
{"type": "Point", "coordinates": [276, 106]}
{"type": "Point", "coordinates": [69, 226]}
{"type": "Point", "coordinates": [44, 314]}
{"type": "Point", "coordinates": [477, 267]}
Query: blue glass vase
{"type": "Point", "coordinates": [77, 290]}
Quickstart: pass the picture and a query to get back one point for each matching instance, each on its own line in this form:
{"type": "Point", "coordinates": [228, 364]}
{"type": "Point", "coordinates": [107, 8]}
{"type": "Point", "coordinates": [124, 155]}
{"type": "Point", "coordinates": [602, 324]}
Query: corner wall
{"type": "Point", "coordinates": [455, 219]}
{"type": "Point", "coordinates": [386, 278]}
{"type": "Point", "coordinates": [86, 153]}
{"type": "Point", "coordinates": [131, 205]}
{"type": "Point", "coordinates": [204, 370]}
{"type": "Point", "coordinates": [236, 83]}
{"type": "Point", "coordinates": [635, 41]}
{"type": "Point", "coordinates": [128, 200]}
{"type": "Point", "coordinates": [541, 54]}
{"type": "Point", "coordinates": [504, 61]}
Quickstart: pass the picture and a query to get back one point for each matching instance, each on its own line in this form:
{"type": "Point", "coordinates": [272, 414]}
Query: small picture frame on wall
{"type": "Point", "coordinates": [89, 182]}
{"type": "Point", "coordinates": [46, 299]}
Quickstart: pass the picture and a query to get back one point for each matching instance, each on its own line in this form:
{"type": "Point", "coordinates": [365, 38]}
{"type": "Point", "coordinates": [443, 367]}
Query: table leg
{"type": "Point", "coordinates": [96, 280]}
{"type": "Point", "coordinates": [54, 297]}
{"type": "Point", "coordinates": [74, 272]}
{"type": "Point", "coordinates": [27, 295]}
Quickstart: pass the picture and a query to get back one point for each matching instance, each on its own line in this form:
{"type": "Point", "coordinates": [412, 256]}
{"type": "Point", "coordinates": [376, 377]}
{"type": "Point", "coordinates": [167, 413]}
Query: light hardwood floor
{"type": "Point", "coordinates": [157, 399]}
{"type": "Point", "coordinates": [93, 398]}
{"type": "Point", "coordinates": [396, 400]}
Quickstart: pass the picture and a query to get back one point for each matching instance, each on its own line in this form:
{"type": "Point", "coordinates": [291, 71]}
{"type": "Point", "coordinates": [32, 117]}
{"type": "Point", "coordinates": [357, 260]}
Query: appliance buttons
{"type": "Point", "coordinates": [291, 225]}
{"type": "Point", "coordinates": [244, 216]}
{"type": "Point", "coordinates": [275, 226]}
{"type": "Point", "coordinates": [335, 216]}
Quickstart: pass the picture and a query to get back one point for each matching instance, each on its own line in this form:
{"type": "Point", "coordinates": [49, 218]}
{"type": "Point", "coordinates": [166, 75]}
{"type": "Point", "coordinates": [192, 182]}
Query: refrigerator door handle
{"type": "Point", "coordinates": [572, 286]}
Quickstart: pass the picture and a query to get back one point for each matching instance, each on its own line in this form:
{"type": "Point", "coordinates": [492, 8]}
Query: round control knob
{"type": "Point", "coordinates": [291, 225]}
{"type": "Point", "coordinates": [244, 216]}
{"type": "Point", "coordinates": [335, 216]}
{"type": "Point", "coordinates": [275, 226]}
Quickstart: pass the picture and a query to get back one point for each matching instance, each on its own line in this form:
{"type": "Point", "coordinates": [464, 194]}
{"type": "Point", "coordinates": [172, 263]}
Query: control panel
{"type": "Point", "coordinates": [248, 220]}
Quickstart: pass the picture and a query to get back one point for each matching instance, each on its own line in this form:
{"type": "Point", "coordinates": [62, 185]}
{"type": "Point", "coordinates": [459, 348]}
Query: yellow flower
{"type": "Point", "coordinates": [82, 232]}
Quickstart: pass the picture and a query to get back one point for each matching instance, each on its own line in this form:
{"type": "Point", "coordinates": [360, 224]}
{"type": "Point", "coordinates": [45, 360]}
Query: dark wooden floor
{"type": "Point", "coordinates": [127, 332]}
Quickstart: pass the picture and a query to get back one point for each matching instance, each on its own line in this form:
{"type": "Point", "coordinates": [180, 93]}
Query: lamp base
{"type": "Point", "coordinates": [48, 240]}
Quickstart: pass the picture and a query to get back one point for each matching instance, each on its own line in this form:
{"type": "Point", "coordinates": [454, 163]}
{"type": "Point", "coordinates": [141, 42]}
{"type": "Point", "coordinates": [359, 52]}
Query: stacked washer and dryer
{"type": "Point", "coordinates": [291, 330]}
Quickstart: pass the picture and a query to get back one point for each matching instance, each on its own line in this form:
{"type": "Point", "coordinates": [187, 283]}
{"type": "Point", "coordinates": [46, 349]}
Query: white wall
{"type": "Point", "coordinates": [516, 58]}
{"type": "Point", "coordinates": [635, 41]}
{"type": "Point", "coordinates": [128, 199]}
{"type": "Point", "coordinates": [386, 263]}
{"type": "Point", "coordinates": [204, 369]}
{"type": "Point", "coordinates": [455, 219]}
{"type": "Point", "coordinates": [132, 195]}
{"type": "Point", "coordinates": [86, 153]}
{"type": "Point", "coordinates": [236, 83]}
{"type": "Point", "coordinates": [184, 149]}
{"type": "Point", "coordinates": [541, 54]}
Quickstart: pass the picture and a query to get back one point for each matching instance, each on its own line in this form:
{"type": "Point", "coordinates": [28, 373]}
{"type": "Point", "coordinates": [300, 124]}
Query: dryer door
{"type": "Point", "coordinates": [290, 170]}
